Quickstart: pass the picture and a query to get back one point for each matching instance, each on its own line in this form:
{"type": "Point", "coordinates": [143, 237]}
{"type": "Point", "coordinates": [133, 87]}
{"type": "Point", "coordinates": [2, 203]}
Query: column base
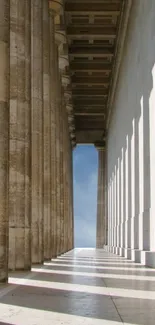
{"type": "Point", "coordinates": [128, 252]}
{"type": "Point", "coordinates": [148, 258]}
{"type": "Point", "coordinates": [121, 251]}
{"type": "Point", "coordinates": [115, 250]}
{"type": "Point", "coordinates": [136, 255]}
{"type": "Point", "coordinates": [105, 248]}
{"type": "Point", "coordinates": [144, 257]}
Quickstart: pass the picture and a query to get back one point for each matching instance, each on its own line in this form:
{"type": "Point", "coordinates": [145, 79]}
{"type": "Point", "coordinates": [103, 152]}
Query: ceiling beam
{"type": "Point", "coordinates": [89, 101]}
{"type": "Point", "coordinates": [91, 32]}
{"type": "Point", "coordinates": [90, 80]}
{"type": "Point", "coordinates": [91, 51]}
{"type": "Point", "coordinates": [89, 114]}
{"type": "Point", "coordinates": [104, 9]}
{"type": "Point", "coordinates": [89, 93]}
{"type": "Point", "coordinates": [90, 66]}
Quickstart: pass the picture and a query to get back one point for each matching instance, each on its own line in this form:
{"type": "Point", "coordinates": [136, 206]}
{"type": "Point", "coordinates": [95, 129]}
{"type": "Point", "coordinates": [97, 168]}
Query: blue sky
{"type": "Point", "coordinates": [85, 165]}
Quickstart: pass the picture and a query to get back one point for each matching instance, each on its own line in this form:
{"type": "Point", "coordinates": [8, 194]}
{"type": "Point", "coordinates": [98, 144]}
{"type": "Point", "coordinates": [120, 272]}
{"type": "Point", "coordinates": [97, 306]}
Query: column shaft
{"type": "Point", "coordinates": [100, 236]}
{"type": "Point", "coordinates": [37, 130]}
{"type": "Point", "coordinates": [53, 134]}
{"type": "Point", "coordinates": [62, 180]}
{"type": "Point", "coordinates": [61, 175]}
{"type": "Point", "coordinates": [19, 176]}
{"type": "Point", "coordinates": [47, 131]}
{"type": "Point", "coordinates": [4, 135]}
{"type": "Point", "coordinates": [65, 183]}
{"type": "Point", "coordinates": [70, 198]}
{"type": "Point", "coordinates": [58, 165]}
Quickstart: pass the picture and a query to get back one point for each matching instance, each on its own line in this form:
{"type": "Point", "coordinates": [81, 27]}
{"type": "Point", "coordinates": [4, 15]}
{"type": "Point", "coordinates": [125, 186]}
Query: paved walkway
{"type": "Point", "coordinates": [85, 286]}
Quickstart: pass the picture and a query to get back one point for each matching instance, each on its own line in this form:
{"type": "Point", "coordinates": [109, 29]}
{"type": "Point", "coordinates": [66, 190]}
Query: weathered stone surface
{"type": "Point", "coordinates": [4, 136]}
{"type": "Point", "coordinates": [20, 121]}
{"type": "Point", "coordinates": [53, 138]}
{"type": "Point", "coordinates": [58, 164]}
{"type": "Point", "coordinates": [37, 130]}
{"type": "Point", "coordinates": [46, 132]}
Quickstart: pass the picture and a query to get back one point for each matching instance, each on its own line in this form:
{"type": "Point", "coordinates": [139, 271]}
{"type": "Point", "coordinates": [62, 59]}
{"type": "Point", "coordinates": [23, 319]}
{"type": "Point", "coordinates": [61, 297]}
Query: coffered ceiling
{"type": "Point", "coordinates": [93, 28]}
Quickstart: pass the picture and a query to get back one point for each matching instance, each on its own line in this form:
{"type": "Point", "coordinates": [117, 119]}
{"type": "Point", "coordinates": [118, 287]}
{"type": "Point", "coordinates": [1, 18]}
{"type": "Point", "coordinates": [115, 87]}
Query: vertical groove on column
{"type": "Point", "coordinates": [19, 176]}
{"type": "Point", "coordinates": [47, 132]}
{"type": "Point", "coordinates": [4, 135]}
{"type": "Point", "coordinates": [37, 130]}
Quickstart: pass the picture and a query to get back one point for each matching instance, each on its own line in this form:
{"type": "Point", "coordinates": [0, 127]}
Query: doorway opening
{"type": "Point", "coordinates": [85, 169]}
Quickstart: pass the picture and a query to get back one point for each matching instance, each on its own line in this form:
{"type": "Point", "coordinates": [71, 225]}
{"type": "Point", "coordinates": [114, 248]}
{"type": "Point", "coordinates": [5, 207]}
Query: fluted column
{"type": "Point", "coordinates": [59, 144]}
{"type": "Point", "coordinates": [61, 39]}
{"type": "Point", "coordinates": [19, 175]}
{"type": "Point", "coordinates": [37, 129]}
{"type": "Point", "coordinates": [55, 9]}
{"type": "Point", "coordinates": [62, 179]}
{"type": "Point", "coordinates": [66, 136]}
{"type": "Point", "coordinates": [58, 164]}
{"type": "Point", "coordinates": [53, 134]}
{"type": "Point", "coordinates": [67, 195]}
{"type": "Point", "coordinates": [4, 135]}
{"type": "Point", "coordinates": [71, 227]}
{"type": "Point", "coordinates": [47, 131]}
{"type": "Point", "coordinates": [100, 235]}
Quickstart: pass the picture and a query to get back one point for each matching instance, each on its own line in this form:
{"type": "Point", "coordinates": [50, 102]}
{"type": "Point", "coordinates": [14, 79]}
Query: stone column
{"type": "Point", "coordinates": [55, 10]}
{"type": "Point", "coordinates": [62, 179]}
{"type": "Point", "coordinates": [4, 135]}
{"type": "Point", "coordinates": [63, 63]}
{"type": "Point", "coordinates": [68, 196]}
{"type": "Point", "coordinates": [53, 134]}
{"type": "Point", "coordinates": [100, 235]}
{"type": "Point", "coordinates": [123, 202]}
{"type": "Point", "coordinates": [65, 182]}
{"type": "Point", "coordinates": [37, 129]}
{"type": "Point", "coordinates": [20, 120]}
{"type": "Point", "coordinates": [72, 200]}
{"type": "Point", "coordinates": [58, 165]}
{"type": "Point", "coordinates": [47, 131]}
{"type": "Point", "coordinates": [71, 234]}
{"type": "Point", "coordinates": [118, 205]}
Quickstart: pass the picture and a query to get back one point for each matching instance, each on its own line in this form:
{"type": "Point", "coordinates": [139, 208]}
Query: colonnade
{"type": "Point", "coordinates": [36, 135]}
{"type": "Point", "coordinates": [130, 144]}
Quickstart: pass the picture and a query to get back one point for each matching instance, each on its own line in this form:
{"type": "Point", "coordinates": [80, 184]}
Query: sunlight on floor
{"type": "Point", "coordinates": [28, 316]}
{"type": "Point", "coordinates": [143, 269]}
{"type": "Point", "coordinates": [72, 261]}
{"type": "Point", "coordinates": [140, 294]}
{"type": "Point", "coordinates": [98, 275]}
{"type": "Point", "coordinates": [59, 292]}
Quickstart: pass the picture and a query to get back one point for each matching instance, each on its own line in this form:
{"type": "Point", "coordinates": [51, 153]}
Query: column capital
{"type": "Point", "coordinates": [73, 143]}
{"type": "Point", "coordinates": [56, 6]}
{"type": "Point", "coordinates": [100, 145]}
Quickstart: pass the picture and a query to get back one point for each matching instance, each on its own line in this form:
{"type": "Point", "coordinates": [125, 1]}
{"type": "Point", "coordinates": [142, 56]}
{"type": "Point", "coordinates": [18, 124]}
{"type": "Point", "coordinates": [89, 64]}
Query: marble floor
{"type": "Point", "coordinates": [84, 286]}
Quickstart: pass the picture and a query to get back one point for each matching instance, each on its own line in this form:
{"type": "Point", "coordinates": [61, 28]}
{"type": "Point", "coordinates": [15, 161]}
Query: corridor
{"type": "Point", "coordinates": [83, 286]}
